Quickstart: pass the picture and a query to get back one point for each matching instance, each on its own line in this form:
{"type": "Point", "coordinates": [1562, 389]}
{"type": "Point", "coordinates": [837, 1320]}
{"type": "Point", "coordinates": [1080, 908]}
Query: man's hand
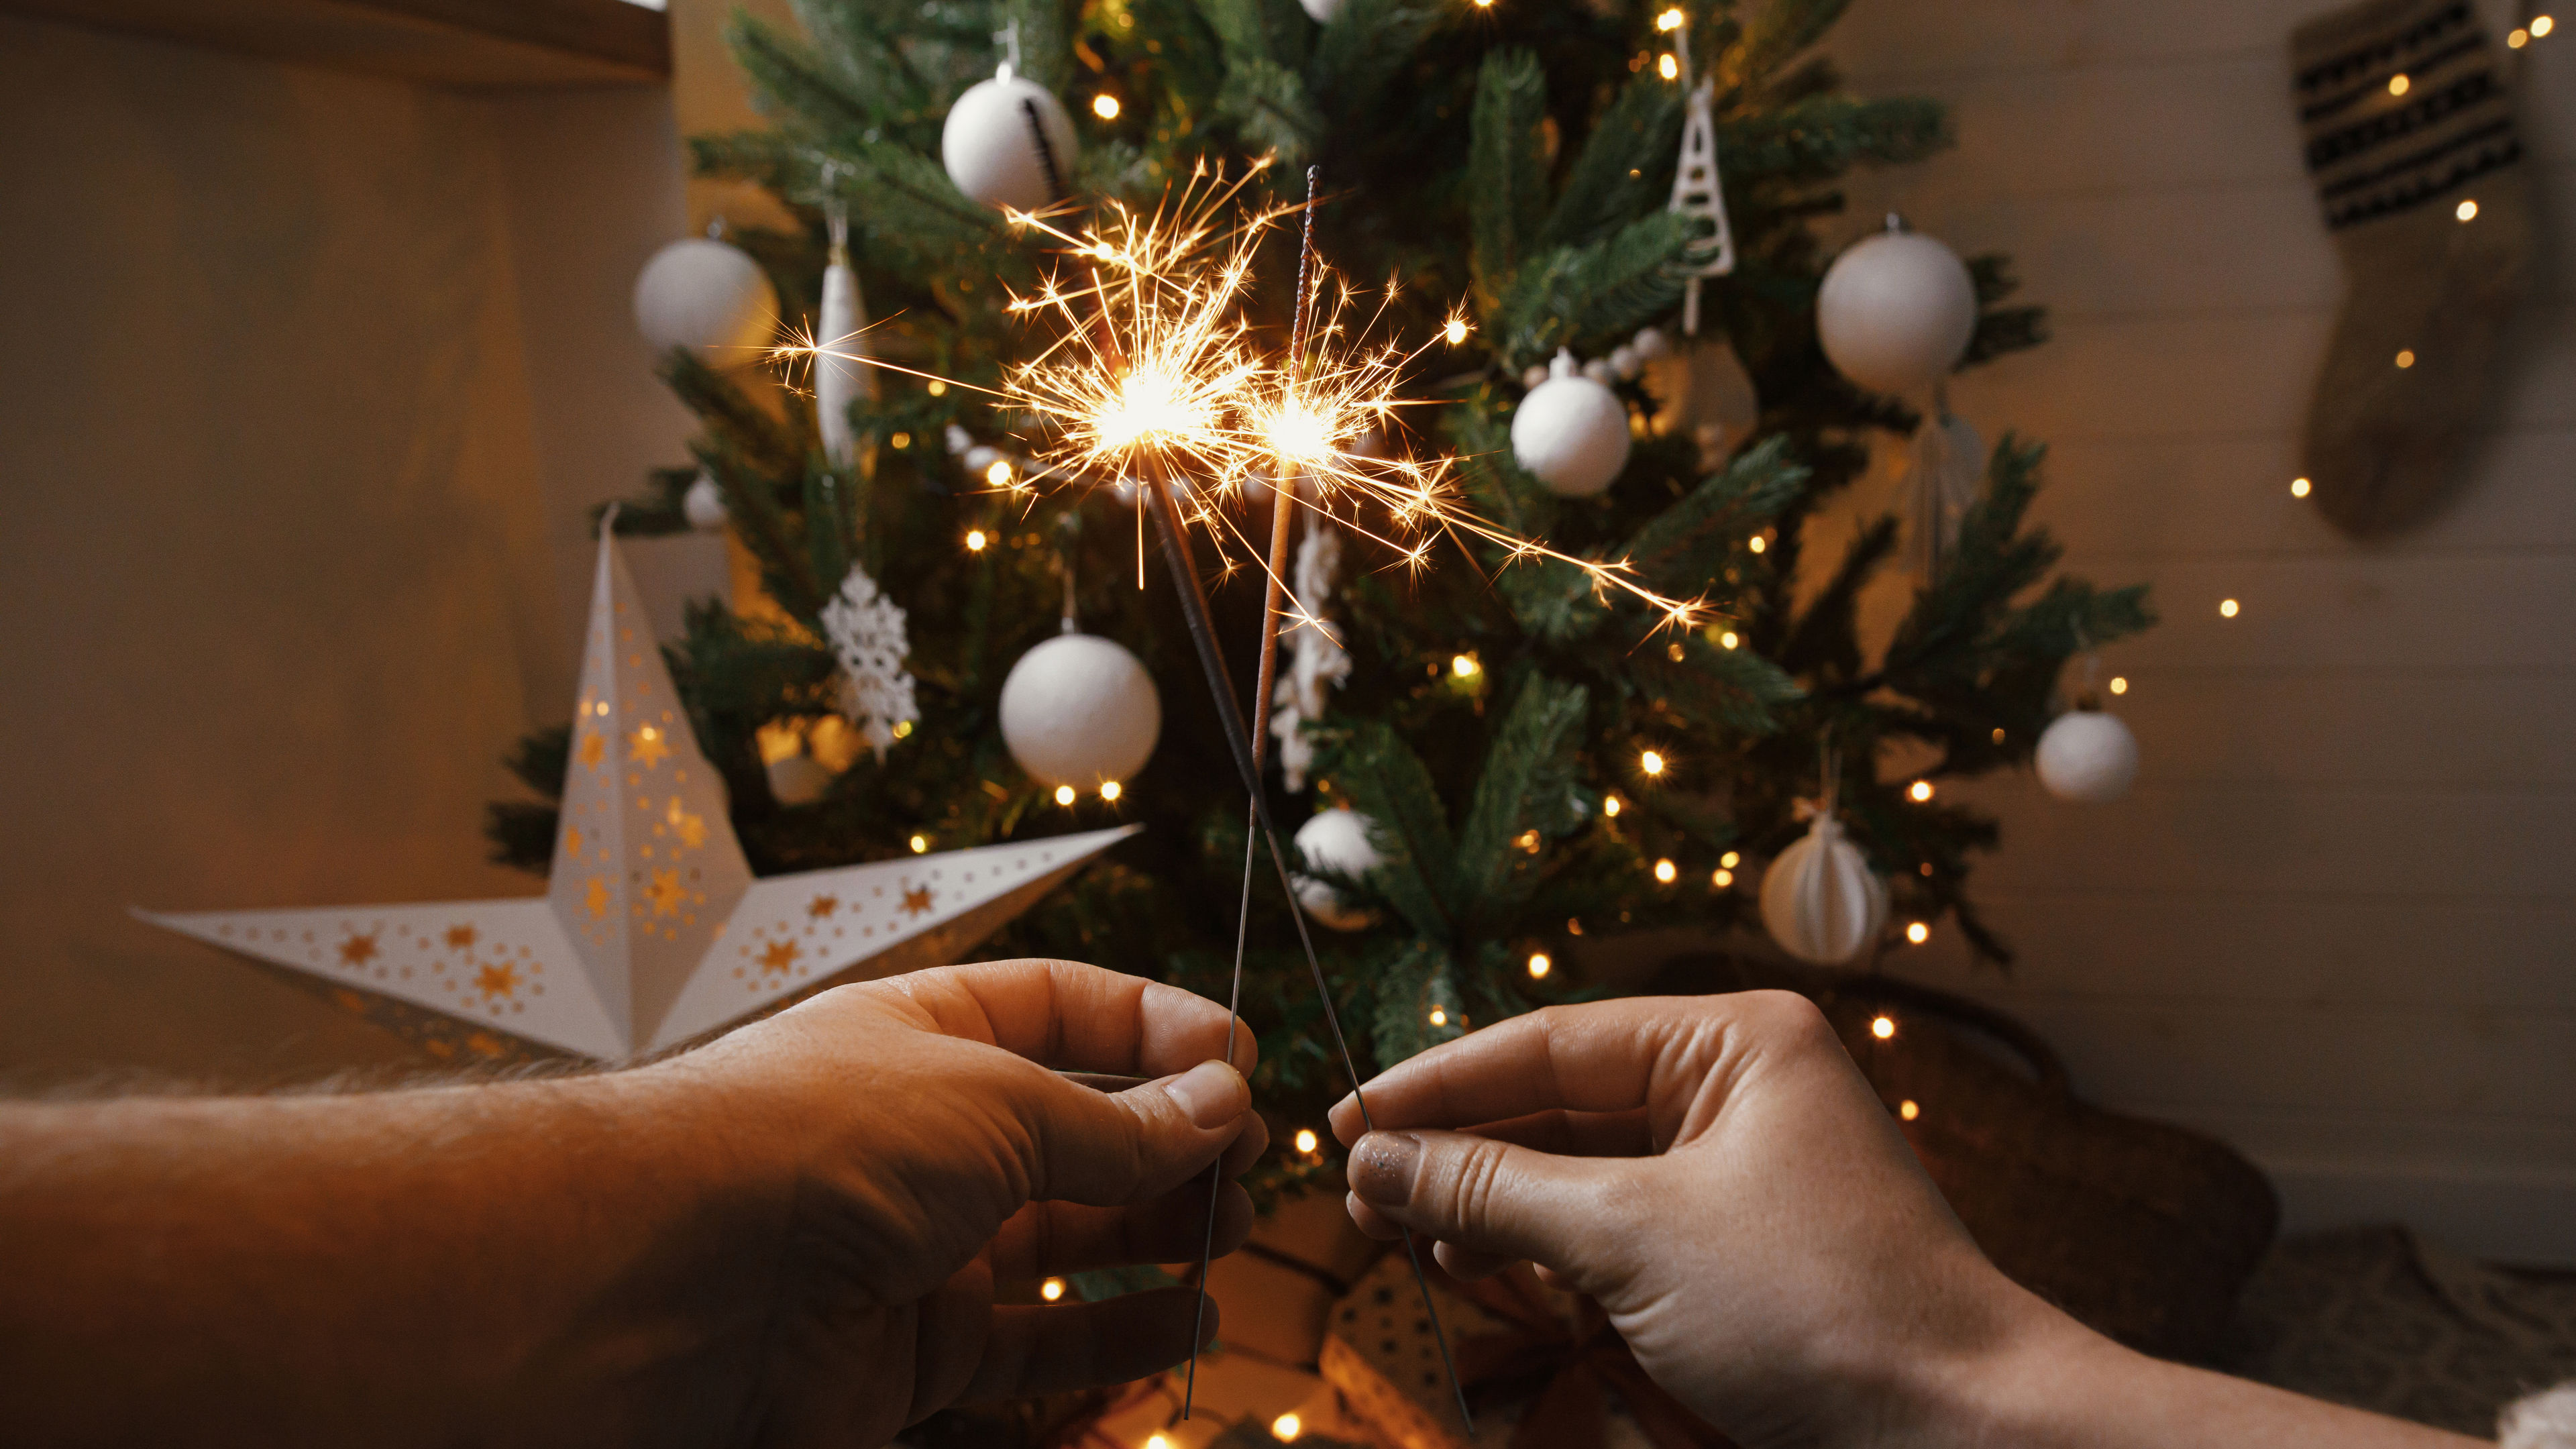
{"type": "Point", "coordinates": [923, 1153]}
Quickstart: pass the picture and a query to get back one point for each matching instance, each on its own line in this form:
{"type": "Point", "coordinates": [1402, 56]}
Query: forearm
{"type": "Point", "coordinates": [429, 1266]}
{"type": "Point", "coordinates": [2058, 1385]}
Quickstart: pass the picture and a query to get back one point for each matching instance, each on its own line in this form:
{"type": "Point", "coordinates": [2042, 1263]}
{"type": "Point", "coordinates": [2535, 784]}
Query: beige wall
{"type": "Point", "coordinates": [2334, 920]}
{"type": "Point", "coordinates": [310, 378]}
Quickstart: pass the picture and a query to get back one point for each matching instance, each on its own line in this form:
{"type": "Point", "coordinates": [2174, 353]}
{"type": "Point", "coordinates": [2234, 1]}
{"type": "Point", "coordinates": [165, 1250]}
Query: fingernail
{"type": "Point", "coordinates": [1382, 1166]}
{"type": "Point", "coordinates": [1212, 1092]}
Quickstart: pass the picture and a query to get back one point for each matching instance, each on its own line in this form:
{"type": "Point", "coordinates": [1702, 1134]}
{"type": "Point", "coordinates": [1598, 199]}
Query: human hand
{"type": "Point", "coordinates": [911, 1148]}
{"type": "Point", "coordinates": [1717, 1174]}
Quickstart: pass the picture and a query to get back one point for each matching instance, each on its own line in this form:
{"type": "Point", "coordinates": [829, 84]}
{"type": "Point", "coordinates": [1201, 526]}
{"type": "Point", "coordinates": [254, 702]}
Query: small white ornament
{"type": "Point", "coordinates": [1896, 311]}
{"type": "Point", "coordinates": [798, 779]}
{"type": "Point", "coordinates": [1533, 375]}
{"type": "Point", "coordinates": [1571, 432]}
{"type": "Point", "coordinates": [1820, 900]}
{"type": "Point", "coordinates": [1316, 659]}
{"type": "Point", "coordinates": [1598, 369]}
{"type": "Point", "coordinates": [707, 296]}
{"type": "Point", "coordinates": [1948, 463]}
{"type": "Point", "coordinates": [1008, 142]}
{"type": "Point", "coordinates": [703, 505]}
{"type": "Point", "coordinates": [1321, 11]}
{"type": "Point", "coordinates": [837, 380]}
{"type": "Point", "coordinates": [1338, 841]}
{"type": "Point", "coordinates": [1651, 343]}
{"type": "Point", "coordinates": [1625, 362]}
{"type": "Point", "coordinates": [1080, 710]}
{"type": "Point", "coordinates": [866, 630]}
{"type": "Point", "coordinates": [2087, 756]}
{"type": "Point", "coordinates": [979, 460]}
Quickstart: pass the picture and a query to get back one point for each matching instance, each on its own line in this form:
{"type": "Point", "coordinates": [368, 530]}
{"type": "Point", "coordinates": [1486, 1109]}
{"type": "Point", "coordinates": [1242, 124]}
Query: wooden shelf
{"type": "Point", "coordinates": [463, 44]}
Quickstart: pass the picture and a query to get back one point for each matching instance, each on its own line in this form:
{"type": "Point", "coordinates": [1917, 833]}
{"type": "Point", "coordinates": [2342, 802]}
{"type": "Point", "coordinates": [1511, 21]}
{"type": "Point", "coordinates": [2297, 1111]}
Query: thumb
{"type": "Point", "coordinates": [1118, 1147]}
{"type": "Point", "coordinates": [1475, 1192]}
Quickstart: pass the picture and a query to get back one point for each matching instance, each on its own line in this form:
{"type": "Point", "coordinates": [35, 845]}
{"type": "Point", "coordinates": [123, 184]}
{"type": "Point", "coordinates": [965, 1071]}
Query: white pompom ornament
{"type": "Point", "coordinates": [1008, 142]}
{"type": "Point", "coordinates": [709, 297]}
{"type": "Point", "coordinates": [1338, 841]}
{"type": "Point", "coordinates": [1080, 710]}
{"type": "Point", "coordinates": [1571, 432]}
{"type": "Point", "coordinates": [1819, 899]}
{"type": "Point", "coordinates": [1896, 311]}
{"type": "Point", "coordinates": [703, 505]}
{"type": "Point", "coordinates": [2087, 756]}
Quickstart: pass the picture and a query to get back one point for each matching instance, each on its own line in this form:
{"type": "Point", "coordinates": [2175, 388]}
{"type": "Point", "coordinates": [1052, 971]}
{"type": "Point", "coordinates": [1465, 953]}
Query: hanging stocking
{"type": "Point", "coordinates": [2411, 141]}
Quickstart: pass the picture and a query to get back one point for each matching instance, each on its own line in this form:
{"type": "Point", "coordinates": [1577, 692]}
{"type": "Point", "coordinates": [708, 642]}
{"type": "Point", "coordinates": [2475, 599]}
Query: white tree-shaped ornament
{"type": "Point", "coordinates": [1698, 190]}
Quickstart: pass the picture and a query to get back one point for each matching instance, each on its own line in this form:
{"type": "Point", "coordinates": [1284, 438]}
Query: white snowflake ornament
{"type": "Point", "coordinates": [867, 634]}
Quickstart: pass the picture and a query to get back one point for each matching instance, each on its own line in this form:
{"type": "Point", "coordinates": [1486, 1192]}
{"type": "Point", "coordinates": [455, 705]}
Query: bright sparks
{"type": "Point", "coordinates": [1454, 331]}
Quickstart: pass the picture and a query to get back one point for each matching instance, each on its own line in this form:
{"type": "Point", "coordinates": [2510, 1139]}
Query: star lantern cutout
{"type": "Point", "coordinates": [653, 932]}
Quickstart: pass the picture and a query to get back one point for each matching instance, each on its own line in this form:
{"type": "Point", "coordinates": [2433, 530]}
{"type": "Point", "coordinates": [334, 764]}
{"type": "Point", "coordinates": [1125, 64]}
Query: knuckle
{"type": "Point", "coordinates": [1477, 1182]}
{"type": "Point", "coordinates": [1785, 1018]}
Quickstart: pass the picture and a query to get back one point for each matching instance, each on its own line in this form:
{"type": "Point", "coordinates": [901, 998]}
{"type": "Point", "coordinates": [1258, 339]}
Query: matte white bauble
{"type": "Point", "coordinates": [703, 505]}
{"type": "Point", "coordinates": [1533, 375]}
{"type": "Point", "coordinates": [1338, 841]}
{"type": "Point", "coordinates": [991, 146]}
{"type": "Point", "coordinates": [1080, 710]}
{"type": "Point", "coordinates": [1651, 343]}
{"type": "Point", "coordinates": [1321, 11]}
{"type": "Point", "coordinates": [709, 297]}
{"type": "Point", "coordinates": [1896, 311]}
{"type": "Point", "coordinates": [798, 780]}
{"type": "Point", "coordinates": [1625, 362]}
{"type": "Point", "coordinates": [1571, 432]}
{"type": "Point", "coordinates": [2087, 756]}
{"type": "Point", "coordinates": [1819, 899]}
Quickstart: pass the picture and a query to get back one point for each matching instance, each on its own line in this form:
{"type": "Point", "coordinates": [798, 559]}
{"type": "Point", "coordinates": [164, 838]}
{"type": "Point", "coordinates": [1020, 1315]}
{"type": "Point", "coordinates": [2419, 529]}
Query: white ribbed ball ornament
{"type": "Point", "coordinates": [703, 505]}
{"type": "Point", "coordinates": [1896, 311]}
{"type": "Point", "coordinates": [2087, 756]}
{"type": "Point", "coordinates": [1080, 710]}
{"type": "Point", "coordinates": [709, 297]}
{"type": "Point", "coordinates": [1571, 432]}
{"type": "Point", "coordinates": [1338, 841]}
{"type": "Point", "coordinates": [1819, 899]}
{"type": "Point", "coordinates": [991, 150]}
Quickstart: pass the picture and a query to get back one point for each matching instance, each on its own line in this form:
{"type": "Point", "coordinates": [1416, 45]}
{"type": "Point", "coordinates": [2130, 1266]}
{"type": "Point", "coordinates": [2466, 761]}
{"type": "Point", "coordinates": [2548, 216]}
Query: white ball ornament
{"type": "Point", "coordinates": [1532, 376]}
{"type": "Point", "coordinates": [709, 297]}
{"type": "Point", "coordinates": [1321, 11]}
{"type": "Point", "coordinates": [2087, 756]}
{"type": "Point", "coordinates": [1651, 343]}
{"type": "Point", "coordinates": [1338, 841]}
{"type": "Point", "coordinates": [1896, 311]}
{"type": "Point", "coordinates": [703, 505]}
{"type": "Point", "coordinates": [1008, 142]}
{"type": "Point", "coordinates": [1819, 899]}
{"type": "Point", "coordinates": [1625, 362]}
{"type": "Point", "coordinates": [1571, 432]}
{"type": "Point", "coordinates": [1080, 710]}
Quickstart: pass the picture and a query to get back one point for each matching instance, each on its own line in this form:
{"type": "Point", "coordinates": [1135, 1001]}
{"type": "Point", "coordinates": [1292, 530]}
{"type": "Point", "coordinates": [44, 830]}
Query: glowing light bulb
{"type": "Point", "coordinates": [901, 441]}
{"type": "Point", "coordinates": [1064, 794]}
{"type": "Point", "coordinates": [2227, 608]}
{"type": "Point", "coordinates": [2119, 684]}
{"type": "Point", "coordinates": [1668, 68]}
{"type": "Point", "coordinates": [2399, 85]}
{"type": "Point", "coordinates": [1907, 1110]}
{"type": "Point", "coordinates": [1439, 1016]}
{"type": "Point", "coordinates": [2406, 358]}
{"type": "Point", "coordinates": [1665, 871]}
{"type": "Point", "coordinates": [1157, 1441]}
{"type": "Point", "coordinates": [1610, 806]}
{"type": "Point", "coordinates": [1111, 790]}
{"type": "Point", "coordinates": [1882, 1027]}
{"type": "Point", "coordinates": [2517, 39]}
{"type": "Point", "coordinates": [1455, 331]}
{"type": "Point", "coordinates": [999, 475]}
{"type": "Point", "coordinates": [2299, 487]}
{"type": "Point", "coordinates": [1921, 791]}
{"type": "Point", "coordinates": [1051, 1290]}
{"type": "Point", "coordinates": [1287, 1427]}
{"type": "Point", "coordinates": [1539, 965]}
{"type": "Point", "coordinates": [1999, 734]}
{"type": "Point", "coordinates": [920, 843]}
{"type": "Point", "coordinates": [1918, 933]}
{"type": "Point", "coordinates": [1670, 19]}
{"type": "Point", "coordinates": [936, 388]}
{"type": "Point", "coordinates": [1757, 543]}
{"type": "Point", "coordinates": [1727, 640]}
{"type": "Point", "coordinates": [1306, 1139]}
{"type": "Point", "coordinates": [1464, 665]}
{"type": "Point", "coordinates": [1721, 877]}
{"type": "Point", "coordinates": [1651, 762]}
{"type": "Point", "coordinates": [1105, 106]}
{"type": "Point", "coordinates": [903, 729]}
{"type": "Point", "coordinates": [2542, 25]}
{"type": "Point", "coordinates": [2466, 210]}
{"type": "Point", "coordinates": [975, 540]}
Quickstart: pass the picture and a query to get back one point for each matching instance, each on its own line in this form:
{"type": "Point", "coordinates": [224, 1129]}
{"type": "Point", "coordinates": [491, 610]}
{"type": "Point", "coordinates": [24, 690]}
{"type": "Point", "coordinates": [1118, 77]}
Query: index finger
{"type": "Point", "coordinates": [1070, 1015]}
{"type": "Point", "coordinates": [1609, 1056]}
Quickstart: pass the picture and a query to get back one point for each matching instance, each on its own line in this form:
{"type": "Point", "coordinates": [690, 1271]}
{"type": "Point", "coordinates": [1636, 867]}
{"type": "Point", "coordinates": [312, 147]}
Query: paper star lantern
{"type": "Point", "coordinates": [653, 931]}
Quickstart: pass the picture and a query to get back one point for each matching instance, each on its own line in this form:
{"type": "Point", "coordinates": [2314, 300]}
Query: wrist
{"type": "Point", "coordinates": [2012, 1385]}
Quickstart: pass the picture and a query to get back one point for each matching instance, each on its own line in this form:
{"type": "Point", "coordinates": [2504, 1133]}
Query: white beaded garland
{"type": "Point", "coordinates": [992, 151]}
{"type": "Point", "coordinates": [1338, 841]}
{"type": "Point", "coordinates": [1819, 899]}
{"type": "Point", "coordinates": [1571, 432]}
{"type": "Point", "coordinates": [709, 297]}
{"type": "Point", "coordinates": [1896, 311]}
{"type": "Point", "coordinates": [2087, 756]}
{"type": "Point", "coordinates": [703, 505]}
{"type": "Point", "coordinates": [1080, 710]}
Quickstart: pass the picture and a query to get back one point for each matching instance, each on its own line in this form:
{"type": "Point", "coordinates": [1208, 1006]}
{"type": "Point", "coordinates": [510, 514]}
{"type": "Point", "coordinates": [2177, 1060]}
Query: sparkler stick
{"type": "Point", "coordinates": [1194, 607]}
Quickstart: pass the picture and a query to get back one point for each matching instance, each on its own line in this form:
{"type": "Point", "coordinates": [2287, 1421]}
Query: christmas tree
{"type": "Point", "coordinates": [1535, 757]}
